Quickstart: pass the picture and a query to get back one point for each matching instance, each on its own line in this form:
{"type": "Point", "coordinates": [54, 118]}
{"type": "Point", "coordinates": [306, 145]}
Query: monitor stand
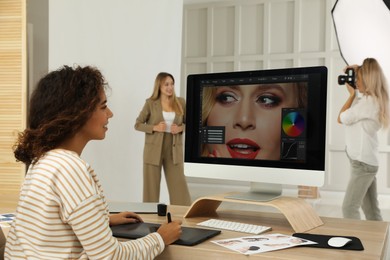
{"type": "Point", "coordinates": [300, 214]}
{"type": "Point", "coordinates": [259, 192]}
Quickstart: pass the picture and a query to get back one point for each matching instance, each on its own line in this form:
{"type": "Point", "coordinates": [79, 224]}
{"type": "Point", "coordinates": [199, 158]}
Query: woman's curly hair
{"type": "Point", "coordinates": [60, 105]}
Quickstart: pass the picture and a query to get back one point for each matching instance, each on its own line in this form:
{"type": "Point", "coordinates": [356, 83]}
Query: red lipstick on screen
{"type": "Point", "coordinates": [243, 148]}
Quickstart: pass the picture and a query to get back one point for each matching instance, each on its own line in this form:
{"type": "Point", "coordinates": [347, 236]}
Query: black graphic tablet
{"type": "Point", "coordinates": [189, 237]}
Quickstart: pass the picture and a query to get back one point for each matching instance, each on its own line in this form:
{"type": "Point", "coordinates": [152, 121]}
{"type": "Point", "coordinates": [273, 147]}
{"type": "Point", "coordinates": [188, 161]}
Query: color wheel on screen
{"type": "Point", "coordinates": [293, 124]}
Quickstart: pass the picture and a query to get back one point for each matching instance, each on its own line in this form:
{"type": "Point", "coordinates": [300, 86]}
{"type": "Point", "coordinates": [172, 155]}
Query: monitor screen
{"type": "Point", "coordinates": [258, 126]}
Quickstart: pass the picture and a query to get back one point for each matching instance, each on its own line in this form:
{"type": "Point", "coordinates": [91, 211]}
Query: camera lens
{"type": "Point", "coordinates": [342, 79]}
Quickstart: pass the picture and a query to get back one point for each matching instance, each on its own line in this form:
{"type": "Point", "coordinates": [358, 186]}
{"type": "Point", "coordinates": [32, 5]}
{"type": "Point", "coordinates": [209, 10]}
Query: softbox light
{"type": "Point", "coordinates": [363, 30]}
{"type": "Point", "coordinates": [387, 2]}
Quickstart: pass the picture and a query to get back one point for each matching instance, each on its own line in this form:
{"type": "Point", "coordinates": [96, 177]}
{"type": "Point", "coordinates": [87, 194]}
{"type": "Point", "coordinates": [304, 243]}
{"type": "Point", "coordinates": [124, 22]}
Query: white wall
{"type": "Point", "coordinates": [130, 42]}
{"type": "Point", "coordinates": [38, 27]}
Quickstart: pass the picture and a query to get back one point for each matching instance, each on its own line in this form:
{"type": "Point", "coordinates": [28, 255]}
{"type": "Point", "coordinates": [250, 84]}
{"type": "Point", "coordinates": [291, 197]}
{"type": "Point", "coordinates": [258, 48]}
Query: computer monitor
{"type": "Point", "coordinates": [264, 127]}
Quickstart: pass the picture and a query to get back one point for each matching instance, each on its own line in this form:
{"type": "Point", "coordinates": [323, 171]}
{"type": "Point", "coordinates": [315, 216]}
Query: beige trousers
{"type": "Point", "coordinates": [174, 176]}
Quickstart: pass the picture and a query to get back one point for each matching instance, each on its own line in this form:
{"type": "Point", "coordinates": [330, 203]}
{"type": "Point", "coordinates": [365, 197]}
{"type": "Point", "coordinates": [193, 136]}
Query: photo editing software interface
{"type": "Point", "coordinates": [257, 118]}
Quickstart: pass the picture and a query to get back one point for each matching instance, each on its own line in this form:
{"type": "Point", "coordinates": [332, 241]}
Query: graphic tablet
{"type": "Point", "coordinates": [189, 237]}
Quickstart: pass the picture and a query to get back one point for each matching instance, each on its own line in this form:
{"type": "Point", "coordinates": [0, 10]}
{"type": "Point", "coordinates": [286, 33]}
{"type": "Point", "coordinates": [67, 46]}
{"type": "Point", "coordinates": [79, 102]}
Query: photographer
{"type": "Point", "coordinates": [363, 117]}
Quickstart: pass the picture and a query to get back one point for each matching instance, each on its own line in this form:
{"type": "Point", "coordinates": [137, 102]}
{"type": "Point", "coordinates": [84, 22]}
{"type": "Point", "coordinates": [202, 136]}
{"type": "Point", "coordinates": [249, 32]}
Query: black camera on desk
{"type": "Point", "coordinates": [349, 78]}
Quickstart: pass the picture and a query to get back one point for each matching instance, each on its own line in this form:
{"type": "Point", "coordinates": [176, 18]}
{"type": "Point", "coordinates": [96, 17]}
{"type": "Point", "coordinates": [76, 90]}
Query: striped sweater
{"type": "Point", "coordinates": [62, 214]}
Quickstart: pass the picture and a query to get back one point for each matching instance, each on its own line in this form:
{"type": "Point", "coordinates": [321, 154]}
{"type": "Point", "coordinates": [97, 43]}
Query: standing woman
{"type": "Point", "coordinates": [62, 212]}
{"type": "Point", "coordinates": [163, 120]}
{"type": "Point", "coordinates": [363, 117]}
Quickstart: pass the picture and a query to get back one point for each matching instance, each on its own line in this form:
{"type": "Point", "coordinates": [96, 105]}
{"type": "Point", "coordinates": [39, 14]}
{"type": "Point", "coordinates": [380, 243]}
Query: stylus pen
{"type": "Point", "coordinates": [169, 217]}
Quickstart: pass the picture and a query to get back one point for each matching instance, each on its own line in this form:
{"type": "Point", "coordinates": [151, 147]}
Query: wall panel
{"type": "Point", "coordinates": [222, 33]}
{"type": "Point", "coordinates": [223, 66]}
{"type": "Point", "coordinates": [196, 44]}
{"type": "Point", "coordinates": [12, 95]}
{"type": "Point", "coordinates": [312, 20]}
{"type": "Point", "coordinates": [251, 65]}
{"type": "Point", "coordinates": [281, 31]}
{"type": "Point", "coordinates": [306, 62]}
{"type": "Point", "coordinates": [196, 68]}
{"type": "Point", "coordinates": [251, 37]}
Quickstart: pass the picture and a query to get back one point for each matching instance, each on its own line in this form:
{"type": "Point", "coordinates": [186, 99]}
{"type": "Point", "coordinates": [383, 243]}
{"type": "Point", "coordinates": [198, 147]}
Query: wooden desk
{"type": "Point", "coordinates": [373, 235]}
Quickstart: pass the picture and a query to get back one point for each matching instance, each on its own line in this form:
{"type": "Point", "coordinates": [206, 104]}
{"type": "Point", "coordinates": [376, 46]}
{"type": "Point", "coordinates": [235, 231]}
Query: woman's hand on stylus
{"type": "Point", "coordinates": [160, 127]}
{"type": "Point", "coordinates": [170, 232]}
{"type": "Point", "coordinates": [124, 218]}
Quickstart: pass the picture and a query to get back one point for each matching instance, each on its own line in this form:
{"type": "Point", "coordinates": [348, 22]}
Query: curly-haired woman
{"type": "Point", "coordinates": [62, 212]}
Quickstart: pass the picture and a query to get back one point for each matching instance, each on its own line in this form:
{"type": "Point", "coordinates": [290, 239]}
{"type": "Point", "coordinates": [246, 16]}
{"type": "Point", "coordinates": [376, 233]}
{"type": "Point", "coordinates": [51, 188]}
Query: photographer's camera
{"type": "Point", "coordinates": [349, 78]}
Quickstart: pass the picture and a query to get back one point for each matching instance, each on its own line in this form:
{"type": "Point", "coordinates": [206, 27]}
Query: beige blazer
{"type": "Point", "coordinates": [150, 115]}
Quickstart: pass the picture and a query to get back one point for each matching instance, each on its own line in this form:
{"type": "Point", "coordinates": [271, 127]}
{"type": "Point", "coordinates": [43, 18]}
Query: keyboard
{"type": "Point", "coordinates": [234, 226]}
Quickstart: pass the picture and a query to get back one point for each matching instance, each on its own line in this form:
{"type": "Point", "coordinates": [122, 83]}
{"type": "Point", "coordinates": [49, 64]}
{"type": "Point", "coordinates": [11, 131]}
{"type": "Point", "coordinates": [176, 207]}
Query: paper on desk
{"type": "Point", "coordinates": [262, 243]}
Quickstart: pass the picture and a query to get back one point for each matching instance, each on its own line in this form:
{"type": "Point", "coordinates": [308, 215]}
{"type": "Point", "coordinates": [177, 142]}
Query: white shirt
{"type": "Point", "coordinates": [168, 118]}
{"type": "Point", "coordinates": [362, 124]}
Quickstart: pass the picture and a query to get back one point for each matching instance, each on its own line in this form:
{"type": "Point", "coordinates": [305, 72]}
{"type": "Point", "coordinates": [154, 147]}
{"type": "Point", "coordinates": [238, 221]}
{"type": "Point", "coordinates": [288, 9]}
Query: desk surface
{"type": "Point", "coordinates": [373, 235]}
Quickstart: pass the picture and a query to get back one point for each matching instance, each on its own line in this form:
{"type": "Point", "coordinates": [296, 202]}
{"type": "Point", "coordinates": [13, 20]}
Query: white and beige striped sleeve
{"type": "Point", "coordinates": [91, 227]}
{"type": "Point", "coordinates": [85, 210]}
